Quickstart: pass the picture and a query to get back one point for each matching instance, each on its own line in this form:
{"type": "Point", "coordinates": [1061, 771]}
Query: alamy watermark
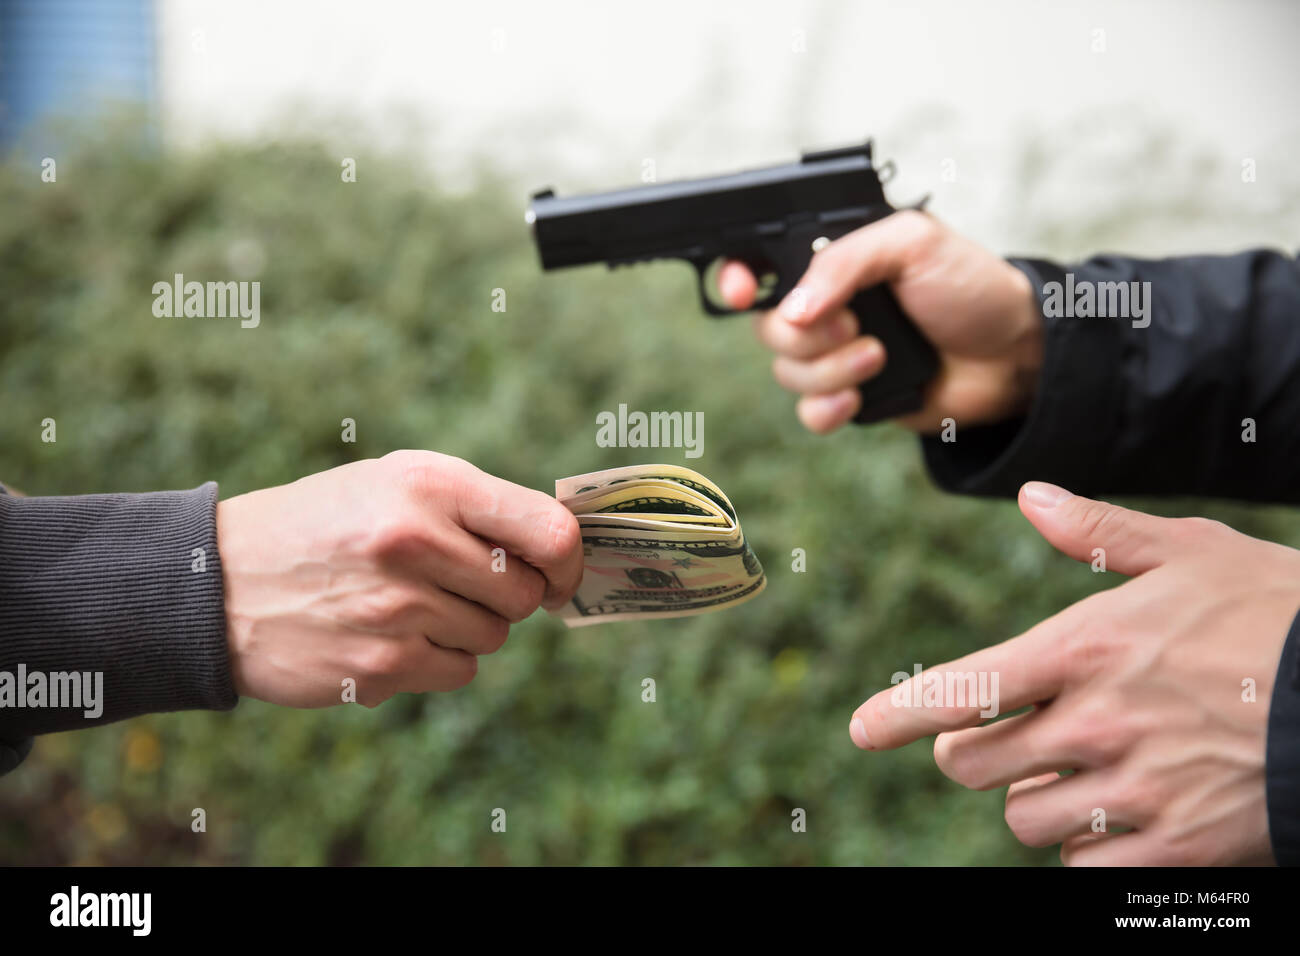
{"type": "Point", "coordinates": [635, 429]}
{"type": "Point", "coordinates": [67, 690]}
{"type": "Point", "coordinates": [75, 908]}
{"type": "Point", "coordinates": [946, 689]}
{"type": "Point", "coordinates": [1086, 299]}
{"type": "Point", "coordinates": [212, 300]}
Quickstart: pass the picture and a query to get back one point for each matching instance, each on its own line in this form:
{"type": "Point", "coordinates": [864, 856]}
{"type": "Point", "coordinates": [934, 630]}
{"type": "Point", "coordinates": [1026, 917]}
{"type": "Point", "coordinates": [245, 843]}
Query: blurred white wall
{"type": "Point", "coordinates": [579, 93]}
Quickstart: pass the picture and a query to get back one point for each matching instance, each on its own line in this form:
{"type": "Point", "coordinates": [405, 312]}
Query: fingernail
{"type": "Point", "coordinates": [794, 307]}
{"type": "Point", "coordinates": [867, 357]}
{"type": "Point", "coordinates": [1042, 495]}
{"type": "Point", "coordinates": [846, 328]}
{"type": "Point", "coordinates": [858, 731]}
{"type": "Point", "coordinates": [835, 405]}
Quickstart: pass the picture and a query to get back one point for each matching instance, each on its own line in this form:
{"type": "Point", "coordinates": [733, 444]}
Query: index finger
{"type": "Point", "coordinates": [529, 524]}
{"type": "Point", "coordinates": [876, 252]}
{"type": "Point", "coordinates": [1027, 669]}
{"type": "Point", "coordinates": [737, 285]}
{"type": "Point", "coordinates": [738, 288]}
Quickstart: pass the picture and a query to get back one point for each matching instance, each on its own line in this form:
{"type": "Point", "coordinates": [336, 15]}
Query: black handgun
{"type": "Point", "coordinates": [773, 220]}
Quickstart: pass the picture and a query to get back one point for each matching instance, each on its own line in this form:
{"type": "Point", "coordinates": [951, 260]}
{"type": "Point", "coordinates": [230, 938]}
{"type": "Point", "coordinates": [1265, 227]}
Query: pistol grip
{"type": "Point", "coordinates": [911, 361]}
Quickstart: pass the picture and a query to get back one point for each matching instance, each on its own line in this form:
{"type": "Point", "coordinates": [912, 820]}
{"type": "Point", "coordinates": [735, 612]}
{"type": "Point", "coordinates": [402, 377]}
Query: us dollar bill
{"type": "Point", "coordinates": [658, 541]}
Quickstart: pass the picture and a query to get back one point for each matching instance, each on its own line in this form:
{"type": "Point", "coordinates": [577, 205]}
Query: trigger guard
{"type": "Point", "coordinates": [768, 301]}
{"type": "Point", "coordinates": [713, 308]}
{"type": "Point", "coordinates": [702, 283]}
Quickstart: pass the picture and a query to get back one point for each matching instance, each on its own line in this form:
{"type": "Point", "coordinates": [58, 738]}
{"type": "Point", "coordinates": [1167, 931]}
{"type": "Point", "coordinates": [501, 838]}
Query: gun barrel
{"type": "Point", "coordinates": [692, 218]}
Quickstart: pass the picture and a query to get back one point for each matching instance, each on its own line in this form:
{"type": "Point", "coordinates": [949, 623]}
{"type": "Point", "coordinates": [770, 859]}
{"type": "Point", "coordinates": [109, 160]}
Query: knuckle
{"type": "Point", "coordinates": [1100, 520]}
{"type": "Point", "coordinates": [803, 344]}
{"type": "Point", "coordinates": [395, 536]}
{"type": "Point", "coordinates": [465, 671]}
{"type": "Point", "coordinates": [1024, 823]}
{"type": "Point", "coordinates": [372, 690]}
{"type": "Point", "coordinates": [844, 369]}
{"type": "Point", "coordinates": [422, 473]}
{"type": "Point", "coordinates": [372, 699]}
{"type": "Point", "coordinates": [384, 606]}
{"type": "Point", "coordinates": [380, 658]}
{"type": "Point", "coordinates": [495, 632]}
{"type": "Point", "coordinates": [403, 458]}
{"type": "Point", "coordinates": [841, 330]}
{"type": "Point", "coordinates": [1085, 650]}
{"type": "Point", "coordinates": [1091, 734]}
{"type": "Point", "coordinates": [838, 366]}
{"type": "Point", "coordinates": [1139, 795]}
{"type": "Point", "coordinates": [1195, 528]}
{"type": "Point", "coordinates": [782, 372]}
{"type": "Point", "coordinates": [960, 762]}
{"type": "Point", "coordinates": [481, 497]}
{"type": "Point", "coordinates": [411, 466]}
{"type": "Point", "coordinates": [1070, 853]}
{"type": "Point", "coordinates": [524, 598]}
{"type": "Point", "coordinates": [945, 757]}
{"type": "Point", "coordinates": [920, 230]}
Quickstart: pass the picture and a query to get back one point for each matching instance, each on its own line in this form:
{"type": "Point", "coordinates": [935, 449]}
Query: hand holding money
{"type": "Point", "coordinates": [384, 576]}
{"type": "Point", "coordinates": [658, 541]}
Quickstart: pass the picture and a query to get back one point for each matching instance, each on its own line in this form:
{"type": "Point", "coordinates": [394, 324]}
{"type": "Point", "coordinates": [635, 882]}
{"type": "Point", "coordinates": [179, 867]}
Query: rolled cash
{"type": "Point", "coordinates": [658, 541]}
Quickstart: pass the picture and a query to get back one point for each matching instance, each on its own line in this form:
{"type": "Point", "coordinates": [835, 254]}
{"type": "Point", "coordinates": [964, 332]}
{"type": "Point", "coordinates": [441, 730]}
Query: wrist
{"type": "Point", "coordinates": [231, 562]}
{"type": "Point", "coordinates": [1026, 351]}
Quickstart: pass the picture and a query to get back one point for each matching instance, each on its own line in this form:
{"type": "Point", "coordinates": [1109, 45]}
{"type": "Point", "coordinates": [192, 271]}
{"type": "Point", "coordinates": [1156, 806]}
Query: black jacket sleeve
{"type": "Point", "coordinates": [122, 591]}
{"type": "Point", "coordinates": [1283, 754]}
{"type": "Point", "coordinates": [1202, 399]}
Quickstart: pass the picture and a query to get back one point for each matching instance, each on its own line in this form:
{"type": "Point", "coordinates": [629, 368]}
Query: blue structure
{"type": "Point", "coordinates": [71, 59]}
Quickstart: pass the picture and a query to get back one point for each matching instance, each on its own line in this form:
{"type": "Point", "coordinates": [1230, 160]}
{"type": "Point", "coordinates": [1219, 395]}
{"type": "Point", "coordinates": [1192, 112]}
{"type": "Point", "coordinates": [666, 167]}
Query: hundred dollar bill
{"type": "Point", "coordinates": [658, 541]}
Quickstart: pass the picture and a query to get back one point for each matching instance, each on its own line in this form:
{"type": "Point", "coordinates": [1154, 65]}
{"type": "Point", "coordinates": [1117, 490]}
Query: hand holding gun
{"type": "Point", "coordinates": [770, 220]}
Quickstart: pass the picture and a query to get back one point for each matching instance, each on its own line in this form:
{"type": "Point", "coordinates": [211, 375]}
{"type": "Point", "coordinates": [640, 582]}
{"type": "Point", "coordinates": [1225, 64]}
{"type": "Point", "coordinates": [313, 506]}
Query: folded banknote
{"type": "Point", "coordinates": [658, 541]}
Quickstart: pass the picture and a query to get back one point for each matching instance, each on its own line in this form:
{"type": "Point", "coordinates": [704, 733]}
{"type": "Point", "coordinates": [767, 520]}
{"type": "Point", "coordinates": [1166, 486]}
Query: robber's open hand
{"type": "Point", "coordinates": [1143, 691]}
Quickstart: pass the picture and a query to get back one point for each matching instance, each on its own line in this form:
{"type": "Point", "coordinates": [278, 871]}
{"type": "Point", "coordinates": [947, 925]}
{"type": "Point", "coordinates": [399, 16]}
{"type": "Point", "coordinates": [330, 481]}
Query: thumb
{"type": "Point", "coordinates": [1131, 542]}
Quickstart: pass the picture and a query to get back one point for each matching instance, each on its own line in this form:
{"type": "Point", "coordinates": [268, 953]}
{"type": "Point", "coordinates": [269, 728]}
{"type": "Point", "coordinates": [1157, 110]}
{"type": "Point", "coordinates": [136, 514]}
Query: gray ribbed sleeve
{"type": "Point", "coordinates": [107, 584]}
